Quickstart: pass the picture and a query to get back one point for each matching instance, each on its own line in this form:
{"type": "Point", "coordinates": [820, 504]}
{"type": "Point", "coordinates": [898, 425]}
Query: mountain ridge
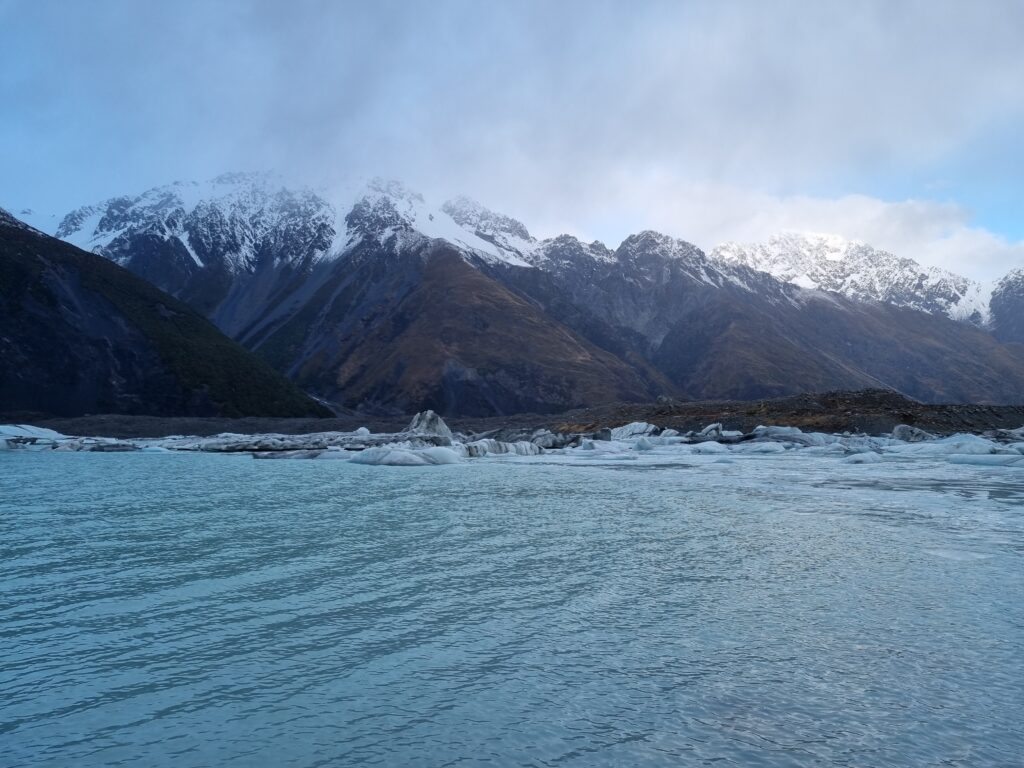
{"type": "Point", "coordinates": [313, 285]}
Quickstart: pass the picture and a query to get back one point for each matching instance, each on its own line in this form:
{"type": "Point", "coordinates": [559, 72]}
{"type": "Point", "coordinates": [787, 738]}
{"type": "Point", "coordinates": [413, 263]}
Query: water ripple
{"type": "Point", "coordinates": [208, 610]}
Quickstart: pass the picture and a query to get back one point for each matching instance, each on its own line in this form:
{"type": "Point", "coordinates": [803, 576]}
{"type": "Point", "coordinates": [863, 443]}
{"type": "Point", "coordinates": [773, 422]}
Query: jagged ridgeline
{"type": "Point", "coordinates": [370, 298]}
{"type": "Point", "coordinates": [79, 334]}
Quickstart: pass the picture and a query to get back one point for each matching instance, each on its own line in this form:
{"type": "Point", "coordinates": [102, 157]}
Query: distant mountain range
{"type": "Point", "coordinates": [374, 299]}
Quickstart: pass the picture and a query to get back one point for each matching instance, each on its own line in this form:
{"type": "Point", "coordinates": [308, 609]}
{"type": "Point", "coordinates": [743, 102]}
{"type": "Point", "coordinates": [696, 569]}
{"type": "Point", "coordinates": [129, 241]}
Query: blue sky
{"type": "Point", "coordinates": [895, 123]}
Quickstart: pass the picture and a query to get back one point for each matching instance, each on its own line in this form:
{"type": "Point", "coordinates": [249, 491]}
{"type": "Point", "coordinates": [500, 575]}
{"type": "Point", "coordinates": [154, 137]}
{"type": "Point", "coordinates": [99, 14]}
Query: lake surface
{"type": "Point", "coordinates": [199, 610]}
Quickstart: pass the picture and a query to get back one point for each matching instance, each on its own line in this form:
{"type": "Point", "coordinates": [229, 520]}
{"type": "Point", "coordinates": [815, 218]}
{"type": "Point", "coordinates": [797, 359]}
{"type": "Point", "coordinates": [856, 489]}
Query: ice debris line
{"type": "Point", "coordinates": [429, 441]}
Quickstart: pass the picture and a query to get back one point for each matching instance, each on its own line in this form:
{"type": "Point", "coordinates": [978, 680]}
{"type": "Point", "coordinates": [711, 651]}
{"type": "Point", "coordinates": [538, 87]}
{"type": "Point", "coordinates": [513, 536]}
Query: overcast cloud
{"type": "Point", "coordinates": [898, 123]}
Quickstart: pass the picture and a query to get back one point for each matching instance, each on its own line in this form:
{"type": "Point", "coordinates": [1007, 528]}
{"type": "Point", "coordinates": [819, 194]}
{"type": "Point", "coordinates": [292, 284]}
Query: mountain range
{"type": "Point", "coordinates": [372, 298]}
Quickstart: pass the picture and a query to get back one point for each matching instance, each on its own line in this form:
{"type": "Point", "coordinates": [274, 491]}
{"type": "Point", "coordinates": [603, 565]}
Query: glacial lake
{"type": "Point", "coordinates": [209, 610]}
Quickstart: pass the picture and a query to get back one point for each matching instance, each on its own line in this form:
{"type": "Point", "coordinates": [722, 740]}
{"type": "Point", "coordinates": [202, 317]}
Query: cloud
{"type": "Point", "coordinates": [594, 116]}
{"type": "Point", "coordinates": [936, 234]}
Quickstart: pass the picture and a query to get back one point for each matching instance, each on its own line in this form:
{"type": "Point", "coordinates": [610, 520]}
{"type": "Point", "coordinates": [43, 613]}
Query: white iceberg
{"type": "Point", "coordinates": [864, 458]}
{"type": "Point", "coordinates": [406, 457]}
{"type": "Point", "coordinates": [633, 429]}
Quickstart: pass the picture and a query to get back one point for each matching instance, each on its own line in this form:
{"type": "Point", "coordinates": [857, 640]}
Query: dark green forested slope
{"type": "Point", "coordinates": [79, 334]}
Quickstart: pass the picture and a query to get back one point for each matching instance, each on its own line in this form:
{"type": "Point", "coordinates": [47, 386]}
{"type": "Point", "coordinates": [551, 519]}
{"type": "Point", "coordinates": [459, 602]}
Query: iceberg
{"type": "Point", "coordinates": [633, 429]}
{"type": "Point", "coordinates": [406, 457]}
{"type": "Point", "coordinates": [429, 423]}
{"type": "Point", "coordinates": [428, 441]}
{"type": "Point", "coordinates": [711, 446]}
{"type": "Point", "coordinates": [946, 446]}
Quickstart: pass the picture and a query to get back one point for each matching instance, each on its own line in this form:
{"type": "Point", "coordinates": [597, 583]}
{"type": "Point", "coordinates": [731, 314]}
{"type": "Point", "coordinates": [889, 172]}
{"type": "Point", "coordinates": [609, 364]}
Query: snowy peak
{"type": "Point", "coordinates": [568, 252]}
{"type": "Point", "coordinates": [650, 243]}
{"type": "Point", "coordinates": [856, 270]}
{"type": "Point", "coordinates": [396, 216]}
{"type": "Point", "coordinates": [469, 213]}
{"type": "Point", "coordinates": [237, 221]}
{"type": "Point", "coordinates": [233, 221]}
{"type": "Point", "coordinates": [1012, 281]}
{"type": "Point", "coordinates": [509, 236]}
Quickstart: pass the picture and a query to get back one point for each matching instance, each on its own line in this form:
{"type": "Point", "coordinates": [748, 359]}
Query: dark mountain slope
{"type": "Point", "coordinates": [425, 329]}
{"type": "Point", "coordinates": [720, 330]}
{"type": "Point", "coordinates": [79, 334]}
{"type": "Point", "coordinates": [1008, 308]}
{"type": "Point", "coordinates": [745, 351]}
{"type": "Point", "coordinates": [330, 289]}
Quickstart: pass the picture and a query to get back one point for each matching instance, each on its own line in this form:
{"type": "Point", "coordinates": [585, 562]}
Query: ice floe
{"type": "Point", "coordinates": [429, 441]}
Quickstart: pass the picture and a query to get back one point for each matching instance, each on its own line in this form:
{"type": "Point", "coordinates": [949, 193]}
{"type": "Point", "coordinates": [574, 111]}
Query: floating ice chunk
{"type": "Point", "coordinates": [429, 423]}
{"type": "Point", "coordinates": [909, 434]}
{"type": "Point", "coordinates": [864, 458]}
{"type": "Point", "coordinates": [955, 444]}
{"type": "Point", "coordinates": [793, 435]}
{"type": "Point", "coordinates": [709, 447]}
{"type": "Point", "coordinates": [778, 433]}
{"type": "Point", "coordinates": [670, 433]}
{"type": "Point", "coordinates": [643, 444]}
{"type": "Point", "coordinates": [335, 453]}
{"type": "Point", "coordinates": [711, 430]}
{"type": "Point", "coordinates": [1013, 434]}
{"type": "Point", "coordinates": [989, 460]}
{"type": "Point", "coordinates": [405, 457]}
{"type": "Point", "coordinates": [546, 439]}
{"type": "Point", "coordinates": [488, 446]}
{"type": "Point", "coordinates": [26, 430]}
{"type": "Point", "coordinates": [362, 431]}
{"type": "Point", "coordinates": [633, 429]}
{"type": "Point", "coordinates": [767, 447]}
{"type": "Point", "coordinates": [26, 436]}
{"type": "Point", "coordinates": [307, 453]}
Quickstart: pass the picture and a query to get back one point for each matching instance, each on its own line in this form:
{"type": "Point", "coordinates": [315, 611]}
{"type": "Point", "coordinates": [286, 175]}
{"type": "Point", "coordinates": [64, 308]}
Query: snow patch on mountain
{"type": "Point", "coordinates": [393, 210]}
{"type": "Point", "coordinates": [241, 218]}
{"type": "Point", "coordinates": [861, 272]}
{"type": "Point", "coordinates": [237, 221]}
{"type": "Point", "coordinates": [508, 235]}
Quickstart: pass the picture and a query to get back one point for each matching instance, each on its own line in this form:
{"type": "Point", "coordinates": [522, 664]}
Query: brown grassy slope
{"type": "Point", "coordinates": [460, 340]}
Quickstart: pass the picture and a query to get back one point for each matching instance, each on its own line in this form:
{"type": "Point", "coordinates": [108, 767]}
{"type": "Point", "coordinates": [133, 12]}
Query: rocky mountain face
{"type": "Point", "coordinates": [373, 299]}
{"type": "Point", "coordinates": [1007, 307]}
{"type": "Point", "coordinates": [719, 329]}
{"type": "Point", "coordinates": [79, 334]}
{"type": "Point", "coordinates": [858, 271]}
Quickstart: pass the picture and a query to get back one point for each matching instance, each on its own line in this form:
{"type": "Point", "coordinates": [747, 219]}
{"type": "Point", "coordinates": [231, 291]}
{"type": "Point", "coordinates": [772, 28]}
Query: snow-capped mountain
{"type": "Point", "coordinates": [856, 270]}
{"type": "Point", "coordinates": [510, 237]}
{"type": "Point", "coordinates": [240, 220]}
{"type": "Point", "coordinates": [370, 296]}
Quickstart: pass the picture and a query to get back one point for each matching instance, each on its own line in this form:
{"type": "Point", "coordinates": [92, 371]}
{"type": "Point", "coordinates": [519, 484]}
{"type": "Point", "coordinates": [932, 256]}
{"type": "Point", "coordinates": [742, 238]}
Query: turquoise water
{"type": "Point", "coordinates": [199, 610]}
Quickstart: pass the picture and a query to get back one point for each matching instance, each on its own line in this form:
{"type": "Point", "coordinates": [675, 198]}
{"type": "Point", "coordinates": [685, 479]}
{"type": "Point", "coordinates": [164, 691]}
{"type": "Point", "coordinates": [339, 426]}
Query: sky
{"type": "Point", "coordinates": [897, 123]}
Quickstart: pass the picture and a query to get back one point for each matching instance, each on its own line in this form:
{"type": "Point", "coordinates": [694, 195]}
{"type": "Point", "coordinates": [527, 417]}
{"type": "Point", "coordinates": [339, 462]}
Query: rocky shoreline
{"type": "Point", "coordinates": [865, 411]}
